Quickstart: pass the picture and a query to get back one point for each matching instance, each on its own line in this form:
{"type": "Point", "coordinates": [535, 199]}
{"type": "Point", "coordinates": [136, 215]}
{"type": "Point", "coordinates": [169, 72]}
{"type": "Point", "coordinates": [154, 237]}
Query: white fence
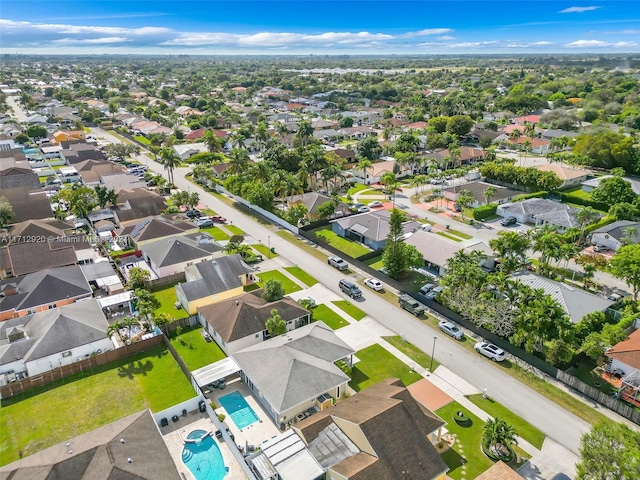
{"type": "Point", "coordinates": [188, 405]}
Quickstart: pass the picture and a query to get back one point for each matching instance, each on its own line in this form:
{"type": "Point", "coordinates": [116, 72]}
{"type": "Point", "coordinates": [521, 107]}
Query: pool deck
{"type": "Point", "coordinates": [175, 444]}
{"type": "Point", "coordinates": [257, 432]}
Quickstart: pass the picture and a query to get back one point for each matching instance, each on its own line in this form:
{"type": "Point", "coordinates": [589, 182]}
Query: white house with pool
{"type": "Point", "coordinates": [294, 375]}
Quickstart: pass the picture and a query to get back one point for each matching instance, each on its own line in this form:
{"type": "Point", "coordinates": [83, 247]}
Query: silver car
{"type": "Point", "coordinates": [490, 350]}
{"type": "Point", "coordinates": [451, 329]}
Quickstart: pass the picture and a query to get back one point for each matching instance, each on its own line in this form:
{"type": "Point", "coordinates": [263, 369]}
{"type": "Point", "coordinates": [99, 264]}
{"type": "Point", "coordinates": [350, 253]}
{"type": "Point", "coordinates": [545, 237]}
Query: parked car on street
{"type": "Point", "coordinates": [490, 350]}
{"type": "Point", "coordinates": [374, 284]}
{"type": "Point", "coordinates": [337, 262]}
{"type": "Point", "coordinates": [410, 304]}
{"type": "Point", "coordinates": [218, 219]}
{"type": "Point", "coordinates": [451, 329]}
{"type": "Point", "coordinates": [350, 288]}
{"type": "Point", "coordinates": [193, 213]}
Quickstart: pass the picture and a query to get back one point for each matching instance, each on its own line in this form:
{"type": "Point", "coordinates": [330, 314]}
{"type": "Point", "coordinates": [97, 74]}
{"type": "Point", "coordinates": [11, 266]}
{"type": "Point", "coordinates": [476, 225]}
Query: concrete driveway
{"type": "Point", "coordinates": [554, 462]}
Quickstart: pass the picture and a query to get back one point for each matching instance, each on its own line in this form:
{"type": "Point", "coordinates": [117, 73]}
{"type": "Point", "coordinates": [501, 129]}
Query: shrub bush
{"type": "Point", "coordinates": [526, 196]}
{"type": "Point", "coordinates": [485, 211]}
{"type": "Point", "coordinates": [568, 197]}
{"type": "Point", "coordinates": [606, 220]}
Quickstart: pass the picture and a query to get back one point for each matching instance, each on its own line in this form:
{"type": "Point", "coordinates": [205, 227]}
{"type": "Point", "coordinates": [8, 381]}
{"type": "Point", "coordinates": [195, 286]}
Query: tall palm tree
{"type": "Point", "coordinates": [304, 133]}
{"type": "Point", "coordinates": [454, 155]}
{"type": "Point", "coordinates": [497, 433]}
{"type": "Point", "coordinates": [489, 193]}
{"type": "Point", "coordinates": [238, 161]}
{"type": "Point", "coordinates": [364, 165]}
{"type": "Point", "coordinates": [261, 135]}
{"type": "Point", "coordinates": [170, 161]}
{"type": "Point", "coordinates": [585, 216]}
{"type": "Point", "coordinates": [213, 143]}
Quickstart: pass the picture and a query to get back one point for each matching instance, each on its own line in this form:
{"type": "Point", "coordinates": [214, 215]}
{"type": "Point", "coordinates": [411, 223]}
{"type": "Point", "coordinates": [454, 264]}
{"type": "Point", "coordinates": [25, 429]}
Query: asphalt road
{"type": "Point", "coordinates": [560, 425]}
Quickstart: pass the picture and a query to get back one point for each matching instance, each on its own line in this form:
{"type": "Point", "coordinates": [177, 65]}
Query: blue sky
{"type": "Point", "coordinates": [318, 27]}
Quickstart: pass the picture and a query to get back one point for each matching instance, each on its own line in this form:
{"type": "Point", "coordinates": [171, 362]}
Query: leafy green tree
{"type": "Point", "coordinates": [625, 265]}
{"type": "Point", "coordinates": [22, 138]}
{"type": "Point", "coordinates": [6, 212]}
{"type": "Point", "coordinates": [138, 278]}
{"type": "Point", "coordinates": [325, 210]}
{"type": "Point", "coordinates": [295, 213]}
{"type": "Point", "coordinates": [80, 199]}
{"type": "Point", "coordinates": [103, 195]}
{"type": "Point", "coordinates": [439, 124]}
{"type": "Point", "coordinates": [610, 451]}
{"type": "Point", "coordinates": [624, 211]}
{"type": "Point", "coordinates": [614, 190]}
{"type": "Point", "coordinates": [275, 324]}
{"type": "Point", "coordinates": [511, 248]}
{"type": "Point", "coordinates": [346, 122]}
{"type": "Point", "coordinates": [368, 148]}
{"type": "Point", "coordinates": [273, 290]}
{"type": "Point", "coordinates": [459, 125]}
{"type": "Point", "coordinates": [36, 131]}
{"type": "Point", "coordinates": [607, 149]}
{"type": "Point", "coordinates": [596, 343]}
{"type": "Point", "coordinates": [364, 165]}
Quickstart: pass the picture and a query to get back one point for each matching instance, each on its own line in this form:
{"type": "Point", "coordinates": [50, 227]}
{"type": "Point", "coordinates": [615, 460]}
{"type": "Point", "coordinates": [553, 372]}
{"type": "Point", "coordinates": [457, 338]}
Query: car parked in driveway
{"type": "Point", "coordinates": [490, 350]}
{"type": "Point", "coordinates": [427, 288]}
{"type": "Point", "coordinates": [435, 291]}
{"type": "Point", "coordinates": [508, 221]}
{"type": "Point", "coordinates": [204, 222]}
{"type": "Point", "coordinates": [193, 213]}
{"type": "Point", "coordinates": [600, 248]}
{"type": "Point", "coordinates": [375, 204]}
{"type": "Point", "coordinates": [363, 209]}
{"type": "Point", "coordinates": [451, 329]}
{"type": "Point", "coordinates": [374, 284]}
{"type": "Point", "coordinates": [218, 219]}
{"type": "Point", "coordinates": [337, 262]}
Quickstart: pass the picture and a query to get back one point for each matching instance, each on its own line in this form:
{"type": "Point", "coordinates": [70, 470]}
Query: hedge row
{"type": "Point", "coordinates": [606, 220]}
{"type": "Point", "coordinates": [526, 196]}
{"type": "Point", "coordinates": [485, 211]}
{"type": "Point", "coordinates": [568, 197]}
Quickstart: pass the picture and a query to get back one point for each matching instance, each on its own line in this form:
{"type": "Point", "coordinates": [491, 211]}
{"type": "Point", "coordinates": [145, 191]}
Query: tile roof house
{"type": "Point", "coordinates": [51, 338]}
{"type": "Point", "coordinates": [68, 135]}
{"type": "Point", "coordinates": [371, 228]}
{"type": "Point", "coordinates": [101, 455]}
{"type": "Point", "coordinates": [213, 281]}
{"type": "Point", "coordinates": [16, 174]}
{"type": "Point", "coordinates": [502, 194]}
{"type": "Point", "coordinates": [375, 435]}
{"type": "Point", "coordinates": [540, 211]}
{"type": "Point", "coordinates": [576, 302]}
{"type": "Point", "coordinates": [294, 372]}
{"type": "Point", "coordinates": [137, 203]}
{"type": "Point", "coordinates": [92, 170]}
{"type": "Point", "coordinates": [239, 322]}
{"type": "Point", "coordinates": [568, 176]}
{"type": "Point", "coordinates": [591, 185]}
{"type": "Point", "coordinates": [173, 254]}
{"type": "Point", "coordinates": [39, 291]}
{"type": "Point", "coordinates": [28, 204]}
{"type": "Point", "coordinates": [154, 228]}
{"type": "Point", "coordinates": [625, 355]}
{"type": "Point", "coordinates": [613, 235]}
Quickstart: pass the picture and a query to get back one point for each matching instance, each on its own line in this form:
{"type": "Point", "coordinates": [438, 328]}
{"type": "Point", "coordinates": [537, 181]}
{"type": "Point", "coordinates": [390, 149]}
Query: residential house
{"type": "Point", "coordinates": [615, 234]}
{"type": "Point", "coordinates": [568, 176]}
{"type": "Point", "coordinates": [358, 133]}
{"type": "Point", "coordinates": [371, 228]}
{"type": "Point", "coordinates": [438, 250]}
{"type": "Point", "coordinates": [131, 448]}
{"type": "Point", "coordinates": [538, 145]}
{"type": "Point", "coordinates": [377, 170]}
{"type": "Point", "coordinates": [185, 111]}
{"type": "Point", "coordinates": [240, 322]}
{"type": "Point", "coordinates": [52, 152]}
{"type": "Point", "coordinates": [495, 116]}
{"type": "Point", "coordinates": [68, 135]}
{"type": "Point", "coordinates": [40, 342]}
{"type": "Point", "coordinates": [500, 471]}
{"type": "Point", "coordinates": [534, 119]}
{"type": "Point", "coordinates": [625, 355]}
{"type": "Point", "coordinates": [213, 281]}
{"type": "Point", "coordinates": [173, 254]}
{"type": "Point", "coordinates": [576, 302]}
{"type": "Point", "coordinates": [502, 194]}
{"type": "Point", "coordinates": [37, 119]}
{"type": "Point", "coordinates": [17, 174]}
{"type": "Point", "coordinates": [348, 156]}
{"type": "Point", "coordinates": [550, 134]}
{"type": "Point", "coordinates": [187, 150]}
{"type": "Point", "coordinates": [78, 152]}
{"type": "Point", "coordinates": [142, 232]}
{"type": "Point", "coordinates": [119, 181]}
{"type": "Point", "coordinates": [28, 204]}
{"type": "Point", "coordinates": [295, 371]}
{"type": "Point", "coordinates": [138, 203]}
{"type": "Point", "coordinates": [592, 184]}
{"type": "Point", "coordinates": [92, 170]}
{"type": "Point", "coordinates": [540, 211]}
{"type": "Point", "coordinates": [312, 200]}
{"type": "Point", "coordinates": [376, 434]}
{"type": "Point", "coordinates": [41, 291]}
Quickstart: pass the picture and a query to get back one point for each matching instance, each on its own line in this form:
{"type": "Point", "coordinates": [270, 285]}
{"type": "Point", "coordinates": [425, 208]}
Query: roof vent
{"type": "Point", "coordinates": [122, 440]}
{"type": "Point", "coordinates": [70, 452]}
{"type": "Point", "coordinates": [237, 302]}
{"type": "Point", "coordinates": [129, 460]}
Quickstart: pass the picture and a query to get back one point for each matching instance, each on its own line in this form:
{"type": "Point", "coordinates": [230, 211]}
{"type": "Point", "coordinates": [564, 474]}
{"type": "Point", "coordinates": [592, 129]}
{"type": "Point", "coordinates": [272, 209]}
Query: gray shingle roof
{"type": "Point", "coordinates": [374, 225]}
{"type": "Point", "coordinates": [617, 229]}
{"type": "Point", "coordinates": [215, 276]}
{"type": "Point", "coordinates": [295, 367]}
{"type": "Point", "coordinates": [576, 302]}
{"type": "Point", "coordinates": [174, 250]}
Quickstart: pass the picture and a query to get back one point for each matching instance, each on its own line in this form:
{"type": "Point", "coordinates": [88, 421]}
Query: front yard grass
{"type": "Point", "coordinates": [375, 365]}
{"type": "Point", "coordinates": [450, 237]}
{"type": "Point", "coordinates": [195, 350]}
{"type": "Point", "coordinates": [303, 244]}
{"type": "Point", "coordinates": [411, 351]}
{"type": "Point", "coordinates": [348, 247]}
{"type": "Point", "coordinates": [523, 428]}
{"type": "Point", "coordinates": [350, 309]}
{"type": "Point", "coordinates": [264, 250]}
{"type": "Point", "coordinates": [460, 234]}
{"type": "Point", "coordinates": [216, 233]}
{"type": "Point", "coordinates": [288, 285]}
{"type": "Point", "coordinates": [143, 140]}
{"type": "Point", "coordinates": [167, 298]}
{"type": "Point", "coordinates": [328, 316]}
{"type": "Point", "coordinates": [301, 275]}
{"type": "Point", "coordinates": [358, 187]}
{"type": "Point", "coordinates": [75, 405]}
{"type": "Point", "coordinates": [234, 230]}
{"type": "Point", "coordinates": [375, 262]}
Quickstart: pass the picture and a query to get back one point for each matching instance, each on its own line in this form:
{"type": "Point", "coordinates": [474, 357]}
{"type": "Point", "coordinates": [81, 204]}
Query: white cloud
{"type": "Point", "coordinates": [446, 37]}
{"type": "Point", "coordinates": [427, 32]}
{"type": "Point", "coordinates": [600, 44]}
{"type": "Point", "coordinates": [276, 39]}
{"type": "Point", "coordinates": [10, 25]}
{"type": "Point", "coordinates": [579, 9]}
{"type": "Point", "coordinates": [90, 41]}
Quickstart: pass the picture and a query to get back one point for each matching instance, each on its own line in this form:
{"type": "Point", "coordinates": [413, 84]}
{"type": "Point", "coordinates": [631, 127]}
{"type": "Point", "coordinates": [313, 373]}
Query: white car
{"type": "Point", "coordinates": [363, 209]}
{"type": "Point", "coordinates": [373, 284]}
{"type": "Point", "coordinates": [600, 248]}
{"type": "Point", "coordinates": [490, 350]}
{"type": "Point", "coordinates": [375, 204]}
{"type": "Point", "coordinates": [451, 329]}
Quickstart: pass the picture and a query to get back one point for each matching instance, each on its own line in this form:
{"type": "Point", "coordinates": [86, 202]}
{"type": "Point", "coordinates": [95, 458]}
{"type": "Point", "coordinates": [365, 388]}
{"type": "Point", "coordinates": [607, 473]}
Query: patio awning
{"type": "Point", "coordinates": [116, 299]}
{"type": "Point", "coordinates": [290, 457]}
{"type": "Point", "coordinates": [215, 371]}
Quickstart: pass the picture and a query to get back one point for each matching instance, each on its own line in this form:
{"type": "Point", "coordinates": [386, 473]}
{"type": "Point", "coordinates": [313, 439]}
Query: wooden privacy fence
{"type": "Point", "coordinates": [608, 401]}
{"type": "Point", "coordinates": [83, 365]}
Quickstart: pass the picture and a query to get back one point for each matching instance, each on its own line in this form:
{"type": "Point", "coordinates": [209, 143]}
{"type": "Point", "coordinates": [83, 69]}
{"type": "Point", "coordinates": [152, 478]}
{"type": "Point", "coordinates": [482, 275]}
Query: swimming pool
{"type": "Point", "coordinates": [203, 457]}
{"type": "Point", "coordinates": [238, 409]}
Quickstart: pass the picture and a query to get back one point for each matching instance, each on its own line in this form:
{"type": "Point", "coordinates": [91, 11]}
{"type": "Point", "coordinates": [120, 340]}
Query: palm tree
{"type": "Point", "coordinates": [363, 165]}
{"type": "Point", "coordinates": [304, 133]}
{"type": "Point", "coordinates": [114, 329]}
{"type": "Point", "coordinates": [214, 144]}
{"type": "Point", "coordinates": [585, 216]}
{"type": "Point", "coordinates": [497, 433]}
{"type": "Point", "coordinates": [628, 235]}
{"type": "Point", "coordinates": [454, 155]}
{"type": "Point", "coordinates": [170, 161]}
{"type": "Point", "coordinates": [238, 161]}
{"type": "Point", "coordinates": [489, 193]}
{"type": "Point", "coordinates": [261, 135]}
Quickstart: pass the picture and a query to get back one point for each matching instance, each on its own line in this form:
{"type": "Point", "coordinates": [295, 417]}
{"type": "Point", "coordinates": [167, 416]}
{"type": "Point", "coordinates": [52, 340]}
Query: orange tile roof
{"type": "Point", "coordinates": [627, 351]}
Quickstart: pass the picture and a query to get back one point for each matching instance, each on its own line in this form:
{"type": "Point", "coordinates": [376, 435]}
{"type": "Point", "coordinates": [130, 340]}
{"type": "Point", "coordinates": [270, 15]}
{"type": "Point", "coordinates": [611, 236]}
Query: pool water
{"type": "Point", "coordinates": [203, 458]}
{"type": "Point", "coordinates": [238, 409]}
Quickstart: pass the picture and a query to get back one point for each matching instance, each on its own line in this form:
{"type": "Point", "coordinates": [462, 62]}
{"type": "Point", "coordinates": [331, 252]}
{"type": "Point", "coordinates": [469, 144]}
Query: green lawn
{"type": "Point", "coordinates": [411, 351]}
{"type": "Point", "coordinates": [523, 428]}
{"type": "Point", "coordinates": [350, 309]}
{"type": "Point", "coordinates": [467, 444]}
{"type": "Point", "coordinates": [301, 275]}
{"type": "Point", "coordinates": [194, 350]}
{"type": "Point", "coordinates": [375, 262]}
{"type": "Point", "coordinates": [460, 234]}
{"type": "Point", "coordinates": [83, 402]}
{"type": "Point", "coordinates": [328, 316]}
{"type": "Point", "coordinates": [216, 233]}
{"type": "Point", "coordinates": [234, 230]}
{"type": "Point", "coordinates": [358, 187]}
{"type": "Point", "coordinates": [578, 193]}
{"type": "Point", "coordinates": [450, 237]}
{"type": "Point", "coordinates": [264, 250]}
{"type": "Point", "coordinates": [143, 140]}
{"type": "Point", "coordinates": [311, 249]}
{"type": "Point", "coordinates": [288, 285]}
{"type": "Point", "coordinates": [375, 365]}
{"type": "Point", "coordinates": [167, 298]}
{"type": "Point", "coordinates": [350, 248]}
{"type": "Point", "coordinates": [584, 370]}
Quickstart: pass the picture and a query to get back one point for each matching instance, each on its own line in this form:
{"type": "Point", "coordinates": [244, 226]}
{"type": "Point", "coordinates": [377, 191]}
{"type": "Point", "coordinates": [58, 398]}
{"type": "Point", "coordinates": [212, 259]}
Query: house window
{"type": "Point", "coordinates": [66, 354]}
{"type": "Point", "coordinates": [31, 311]}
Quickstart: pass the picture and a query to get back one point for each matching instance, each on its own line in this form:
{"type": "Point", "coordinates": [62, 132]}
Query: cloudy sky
{"type": "Point", "coordinates": [318, 27]}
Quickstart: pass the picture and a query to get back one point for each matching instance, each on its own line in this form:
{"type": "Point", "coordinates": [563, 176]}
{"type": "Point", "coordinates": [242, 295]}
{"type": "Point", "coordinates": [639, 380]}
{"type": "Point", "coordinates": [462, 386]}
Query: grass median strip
{"type": "Point", "coordinates": [350, 309]}
{"type": "Point", "coordinates": [301, 275]}
{"type": "Point", "coordinates": [411, 351]}
{"type": "Point", "coordinates": [350, 248]}
{"type": "Point", "coordinates": [303, 245]}
{"type": "Point", "coordinates": [264, 250]}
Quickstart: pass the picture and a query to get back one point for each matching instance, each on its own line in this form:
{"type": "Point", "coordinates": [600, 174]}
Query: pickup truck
{"type": "Point", "coordinates": [411, 305]}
